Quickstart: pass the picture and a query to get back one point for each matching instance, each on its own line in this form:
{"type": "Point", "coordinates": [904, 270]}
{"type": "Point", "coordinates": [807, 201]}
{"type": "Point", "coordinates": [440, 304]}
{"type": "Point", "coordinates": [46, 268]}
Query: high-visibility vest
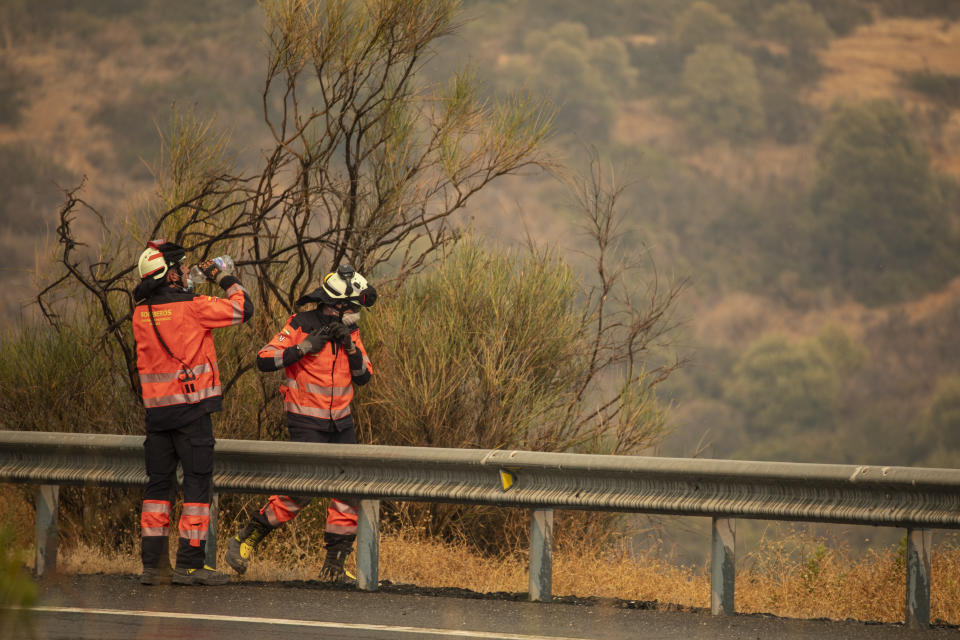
{"type": "Point", "coordinates": [179, 377]}
{"type": "Point", "coordinates": [318, 385]}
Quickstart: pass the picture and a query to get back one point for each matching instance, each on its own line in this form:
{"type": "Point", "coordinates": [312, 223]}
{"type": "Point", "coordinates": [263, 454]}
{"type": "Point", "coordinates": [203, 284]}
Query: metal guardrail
{"type": "Point", "coordinates": [914, 498]}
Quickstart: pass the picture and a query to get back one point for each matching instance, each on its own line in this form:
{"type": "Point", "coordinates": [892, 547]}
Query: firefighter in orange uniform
{"type": "Point", "coordinates": [323, 358]}
{"type": "Point", "coordinates": [180, 384]}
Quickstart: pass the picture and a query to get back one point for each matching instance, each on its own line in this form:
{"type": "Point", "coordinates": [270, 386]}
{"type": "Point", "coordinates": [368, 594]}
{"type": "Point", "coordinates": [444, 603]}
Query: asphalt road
{"type": "Point", "coordinates": [112, 607]}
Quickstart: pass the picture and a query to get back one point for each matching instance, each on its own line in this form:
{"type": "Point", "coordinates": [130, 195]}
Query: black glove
{"type": "Point", "coordinates": [211, 271]}
{"type": "Point", "coordinates": [340, 333]}
{"type": "Point", "coordinates": [314, 341]}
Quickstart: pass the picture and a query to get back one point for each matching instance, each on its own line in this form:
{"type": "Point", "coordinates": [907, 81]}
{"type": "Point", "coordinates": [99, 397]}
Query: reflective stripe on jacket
{"type": "Point", "coordinates": [185, 381]}
{"type": "Point", "coordinates": [319, 385]}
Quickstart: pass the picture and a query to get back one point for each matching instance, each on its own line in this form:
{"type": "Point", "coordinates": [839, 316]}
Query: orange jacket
{"type": "Point", "coordinates": [318, 386]}
{"type": "Point", "coordinates": [181, 381]}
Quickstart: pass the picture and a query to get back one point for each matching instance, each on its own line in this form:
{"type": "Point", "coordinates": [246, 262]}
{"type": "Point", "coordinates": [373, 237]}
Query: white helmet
{"type": "Point", "coordinates": [158, 257]}
{"type": "Point", "coordinates": [343, 285]}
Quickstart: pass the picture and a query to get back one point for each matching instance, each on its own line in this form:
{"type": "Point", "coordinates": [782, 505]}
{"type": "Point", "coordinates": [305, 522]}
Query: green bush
{"type": "Point", "coordinates": [68, 379]}
{"type": "Point", "coordinates": [483, 352]}
{"type": "Point", "coordinates": [843, 17]}
{"type": "Point", "coordinates": [488, 350]}
{"type": "Point", "coordinates": [723, 95]}
{"type": "Point", "coordinates": [797, 26]}
{"type": "Point", "coordinates": [941, 420]}
{"type": "Point", "coordinates": [941, 87]}
{"type": "Point", "coordinates": [785, 388]}
{"type": "Point", "coordinates": [792, 396]}
{"type": "Point", "coordinates": [789, 118]}
{"type": "Point", "coordinates": [659, 67]}
{"type": "Point", "coordinates": [947, 9]}
{"type": "Point", "coordinates": [618, 17]}
{"type": "Point", "coordinates": [701, 24]}
{"type": "Point", "coordinates": [585, 76]}
{"type": "Point", "coordinates": [22, 17]}
{"type": "Point", "coordinates": [882, 229]}
{"type": "Point", "coordinates": [804, 32]}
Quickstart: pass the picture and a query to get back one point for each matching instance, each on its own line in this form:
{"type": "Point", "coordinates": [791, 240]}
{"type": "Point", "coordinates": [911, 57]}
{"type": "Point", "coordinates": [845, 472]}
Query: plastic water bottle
{"type": "Point", "coordinates": [224, 262]}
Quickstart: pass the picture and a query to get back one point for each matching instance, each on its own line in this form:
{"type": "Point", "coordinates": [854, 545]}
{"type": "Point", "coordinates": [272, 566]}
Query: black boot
{"type": "Point", "coordinates": [161, 573]}
{"type": "Point", "coordinates": [241, 546]}
{"type": "Point", "coordinates": [338, 548]}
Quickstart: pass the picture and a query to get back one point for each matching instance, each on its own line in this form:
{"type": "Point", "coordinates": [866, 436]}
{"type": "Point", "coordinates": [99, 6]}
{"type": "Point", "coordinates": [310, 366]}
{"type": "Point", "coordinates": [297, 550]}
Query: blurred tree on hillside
{"type": "Point", "coordinates": [795, 25]}
{"type": "Point", "coordinates": [844, 17]}
{"type": "Point", "coordinates": [659, 66]}
{"type": "Point", "coordinates": [881, 230]}
{"type": "Point", "coordinates": [723, 95]}
{"type": "Point", "coordinates": [846, 354]}
{"type": "Point", "coordinates": [784, 387]}
{"type": "Point", "coordinates": [586, 77]}
{"type": "Point", "coordinates": [756, 241]}
{"type": "Point", "coordinates": [789, 118]}
{"type": "Point", "coordinates": [134, 119]}
{"type": "Point", "coordinates": [941, 420]}
{"type": "Point", "coordinates": [949, 9]}
{"type": "Point", "coordinates": [789, 392]}
{"type": "Point", "coordinates": [803, 32]}
{"type": "Point", "coordinates": [22, 18]}
{"type": "Point", "coordinates": [887, 403]}
{"type": "Point", "coordinates": [702, 23]}
{"type": "Point", "coordinates": [613, 17]}
{"type": "Point", "coordinates": [942, 87]}
{"type": "Point", "coordinates": [746, 13]}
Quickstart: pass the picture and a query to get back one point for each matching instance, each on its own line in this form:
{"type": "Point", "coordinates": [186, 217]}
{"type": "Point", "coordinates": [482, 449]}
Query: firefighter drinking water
{"type": "Point", "coordinates": [180, 384]}
{"type": "Point", "coordinates": [323, 357]}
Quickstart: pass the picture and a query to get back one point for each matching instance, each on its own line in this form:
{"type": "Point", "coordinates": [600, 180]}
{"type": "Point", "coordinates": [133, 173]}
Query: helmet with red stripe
{"type": "Point", "coordinates": [158, 257]}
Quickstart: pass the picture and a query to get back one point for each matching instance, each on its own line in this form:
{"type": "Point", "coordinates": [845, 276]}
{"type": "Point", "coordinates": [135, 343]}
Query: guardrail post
{"type": "Point", "coordinates": [368, 545]}
{"type": "Point", "coordinates": [918, 578]}
{"type": "Point", "coordinates": [541, 555]}
{"type": "Point", "coordinates": [722, 566]}
{"type": "Point", "coordinates": [48, 508]}
{"type": "Point", "coordinates": [210, 549]}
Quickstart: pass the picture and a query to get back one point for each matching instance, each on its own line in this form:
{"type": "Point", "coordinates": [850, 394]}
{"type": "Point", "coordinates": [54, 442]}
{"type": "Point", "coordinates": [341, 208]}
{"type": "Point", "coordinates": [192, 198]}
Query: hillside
{"type": "Point", "coordinates": [725, 212]}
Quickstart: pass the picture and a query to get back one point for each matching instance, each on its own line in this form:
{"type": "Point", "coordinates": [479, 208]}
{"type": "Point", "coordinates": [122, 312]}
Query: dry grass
{"type": "Point", "coordinates": [805, 578]}
{"type": "Point", "coordinates": [864, 65]}
{"type": "Point", "coordinates": [735, 320]}
{"type": "Point", "coordinates": [794, 576]}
